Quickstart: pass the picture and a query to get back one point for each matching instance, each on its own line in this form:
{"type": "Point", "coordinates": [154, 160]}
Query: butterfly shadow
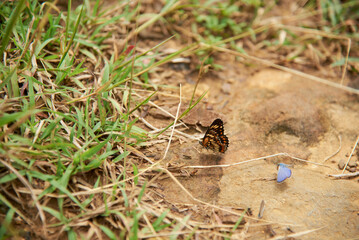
{"type": "Point", "coordinates": [210, 159]}
{"type": "Point", "coordinates": [283, 186]}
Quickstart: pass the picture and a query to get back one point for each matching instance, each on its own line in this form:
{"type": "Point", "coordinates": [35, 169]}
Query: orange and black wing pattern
{"type": "Point", "coordinates": [214, 138]}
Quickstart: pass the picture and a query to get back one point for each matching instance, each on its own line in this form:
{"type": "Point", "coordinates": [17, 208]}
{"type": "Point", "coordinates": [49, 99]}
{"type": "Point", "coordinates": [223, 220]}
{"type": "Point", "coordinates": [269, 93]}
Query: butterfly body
{"type": "Point", "coordinates": [214, 138]}
{"type": "Point", "coordinates": [283, 172]}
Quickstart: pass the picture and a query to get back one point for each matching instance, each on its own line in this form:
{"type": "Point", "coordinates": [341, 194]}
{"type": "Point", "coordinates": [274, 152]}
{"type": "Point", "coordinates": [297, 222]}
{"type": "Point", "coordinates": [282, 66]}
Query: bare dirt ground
{"type": "Point", "coordinates": [269, 112]}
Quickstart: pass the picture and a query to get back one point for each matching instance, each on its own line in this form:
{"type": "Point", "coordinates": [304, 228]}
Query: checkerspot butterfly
{"type": "Point", "coordinates": [215, 138]}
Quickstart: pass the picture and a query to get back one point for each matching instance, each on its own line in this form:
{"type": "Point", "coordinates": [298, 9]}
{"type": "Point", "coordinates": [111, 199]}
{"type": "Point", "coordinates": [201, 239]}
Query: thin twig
{"type": "Point", "coordinates": [345, 175]}
{"type": "Point", "coordinates": [257, 159]}
{"type": "Point", "coordinates": [138, 153]}
{"type": "Point", "coordinates": [170, 234]}
{"type": "Point", "coordinates": [335, 153]}
{"type": "Point", "coordinates": [351, 154]}
{"type": "Point", "coordinates": [155, 105]}
{"type": "Point", "coordinates": [295, 234]}
{"type": "Point", "coordinates": [174, 124]}
{"type": "Point", "coordinates": [186, 135]}
{"type": "Point", "coordinates": [149, 91]}
{"type": "Point", "coordinates": [38, 130]}
{"type": "Point", "coordinates": [74, 140]}
{"type": "Point", "coordinates": [149, 125]}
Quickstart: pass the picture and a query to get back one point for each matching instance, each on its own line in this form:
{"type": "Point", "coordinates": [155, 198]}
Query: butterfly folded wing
{"type": "Point", "coordinates": [215, 138]}
{"type": "Point", "coordinates": [283, 173]}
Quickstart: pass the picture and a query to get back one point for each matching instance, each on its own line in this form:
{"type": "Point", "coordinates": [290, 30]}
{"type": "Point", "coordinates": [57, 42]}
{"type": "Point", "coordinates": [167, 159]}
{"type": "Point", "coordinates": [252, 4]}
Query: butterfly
{"type": "Point", "coordinates": [215, 138]}
{"type": "Point", "coordinates": [283, 172]}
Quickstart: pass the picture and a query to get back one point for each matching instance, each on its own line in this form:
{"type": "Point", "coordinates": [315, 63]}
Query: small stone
{"type": "Point", "coordinates": [352, 163]}
{"type": "Point", "coordinates": [226, 88]}
{"type": "Point", "coordinates": [157, 113]}
{"type": "Point", "coordinates": [341, 164]}
{"type": "Point", "coordinates": [352, 169]}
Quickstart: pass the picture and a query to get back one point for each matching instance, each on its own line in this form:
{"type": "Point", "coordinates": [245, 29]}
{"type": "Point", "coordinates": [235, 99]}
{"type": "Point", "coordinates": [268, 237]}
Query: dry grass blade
{"type": "Point", "coordinates": [156, 130]}
{"type": "Point", "coordinates": [296, 234]}
{"type": "Point", "coordinates": [325, 34]}
{"type": "Point", "coordinates": [138, 153]}
{"type": "Point", "coordinates": [346, 175]}
{"type": "Point", "coordinates": [6, 202]}
{"type": "Point", "coordinates": [27, 184]}
{"type": "Point", "coordinates": [18, 123]}
{"type": "Point", "coordinates": [174, 125]}
{"type": "Point", "coordinates": [149, 223]}
{"type": "Point", "coordinates": [292, 71]}
{"type": "Point", "coordinates": [351, 154]}
{"type": "Point", "coordinates": [155, 105]}
{"type": "Point", "coordinates": [258, 159]}
{"type": "Point", "coordinates": [336, 152]}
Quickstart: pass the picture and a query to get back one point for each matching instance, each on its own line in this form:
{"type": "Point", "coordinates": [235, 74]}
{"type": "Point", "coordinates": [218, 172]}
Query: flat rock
{"type": "Point", "coordinates": [341, 164]}
{"type": "Point", "coordinates": [352, 163]}
{"type": "Point", "coordinates": [290, 113]}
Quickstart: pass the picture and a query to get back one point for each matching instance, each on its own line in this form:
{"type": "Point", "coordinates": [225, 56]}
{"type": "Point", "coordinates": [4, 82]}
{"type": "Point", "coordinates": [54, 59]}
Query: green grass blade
{"type": "Point", "coordinates": [63, 189]}
{"type": "Point", "coordinates": [15, 15]}
{"type": "Point", "coordinates": [10, 177]}
{"type": "Point", "coordinates": [89, 199]}
{"type": "Point", "coordinates": [12, 117]}
{"type": "Point", "coordinates": [178, 227]}
{"type": "Point", "coordinates": [9, 205]}
{"type": "Point", "coordinates": [71, 234]}
{"type": "Point", "coordinates": [72, 39]}
{"type": "Point", "coordinates": [121, 156]}
{"type": "Point", "coordinates": [6, 222]}
{"type": "Point", "coordinates": [135, 225]}
{"type": "Point", "coordinates": [14, 86]}
{"type": "Point", "coordinates": [140, 195]}
{"type": "Point", "coordinates": [92, 151]}
{"type": "Point", "coordinates": [142, 103]}
{"type": "Point", "coordinates": [239, 221]}
{"type": "Point", "coordinates": [157, 224]}
{"type": "Point", "coordinates": [108, 232]}
{"type": "Point", "coordinates": [54, 213]}
{"type": "Point", "coordinates": [135, 172]}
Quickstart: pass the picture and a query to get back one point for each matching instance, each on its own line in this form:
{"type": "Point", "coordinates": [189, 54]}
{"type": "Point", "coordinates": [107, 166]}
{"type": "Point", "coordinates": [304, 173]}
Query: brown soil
{"type": "Point", "coordinates": [267, 113]}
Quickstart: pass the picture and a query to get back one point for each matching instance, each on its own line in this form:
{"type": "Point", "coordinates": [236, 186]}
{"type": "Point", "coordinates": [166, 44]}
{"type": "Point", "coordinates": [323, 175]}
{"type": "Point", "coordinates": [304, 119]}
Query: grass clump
{"type": "Point", "coordinates": [67, 122]}
{"type": "Point", "coordinates": [75, 83]}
